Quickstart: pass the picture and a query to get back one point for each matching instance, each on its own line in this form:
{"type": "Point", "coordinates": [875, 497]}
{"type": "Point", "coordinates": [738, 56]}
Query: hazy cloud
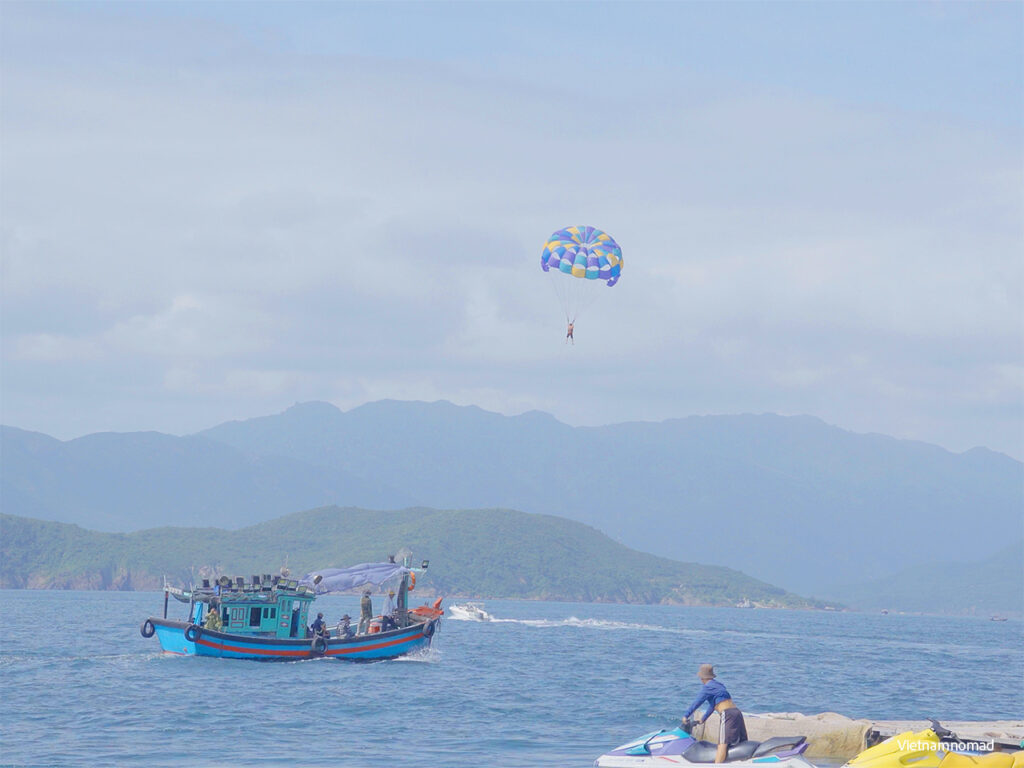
{"type": "Point", "coordinates": [204, 219]}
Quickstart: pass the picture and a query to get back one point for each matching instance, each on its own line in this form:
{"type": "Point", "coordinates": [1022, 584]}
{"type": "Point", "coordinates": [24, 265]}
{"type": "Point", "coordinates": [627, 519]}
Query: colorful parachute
{"type": "Point", "coordinates": [582, 255]}
{"type": "Point", "coordinates": [584, 252]}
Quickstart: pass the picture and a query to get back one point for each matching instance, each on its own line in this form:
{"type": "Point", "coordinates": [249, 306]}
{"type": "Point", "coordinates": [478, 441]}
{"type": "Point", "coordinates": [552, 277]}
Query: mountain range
{"type": "Point", "coordinates": [790, 500]}
{"type": "Point", "coordinates": [991, 585]}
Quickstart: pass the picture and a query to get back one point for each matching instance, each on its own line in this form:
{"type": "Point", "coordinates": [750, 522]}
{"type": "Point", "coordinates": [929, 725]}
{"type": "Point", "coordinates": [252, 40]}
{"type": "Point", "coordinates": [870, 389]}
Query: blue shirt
{"type": "Point", "coordinates": [712, 692]}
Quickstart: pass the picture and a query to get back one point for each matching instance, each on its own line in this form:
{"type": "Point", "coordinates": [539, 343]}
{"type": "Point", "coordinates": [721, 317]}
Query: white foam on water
{"type": "Point", "coordinates": [460, 614]}
{"type": "Point", "coordinates": [428, 655]}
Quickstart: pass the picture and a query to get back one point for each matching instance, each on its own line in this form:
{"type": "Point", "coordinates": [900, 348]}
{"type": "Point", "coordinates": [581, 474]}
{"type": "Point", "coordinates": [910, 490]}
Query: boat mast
{"type": "Point", "coordinates": [403, 598]}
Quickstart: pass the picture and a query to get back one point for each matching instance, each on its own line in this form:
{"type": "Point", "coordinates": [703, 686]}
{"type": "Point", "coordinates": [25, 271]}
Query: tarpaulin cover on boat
{"type": "Point", "coordinates": [348, 579]}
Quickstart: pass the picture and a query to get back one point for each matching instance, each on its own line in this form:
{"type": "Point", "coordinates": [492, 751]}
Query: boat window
{"type": "Point", "coordinates": [266, 613]}
{"type": "Point", "coordinates": [225, 617]}
{"type": "Point", "coordinates": [273, 613]}
{"type": "Point", "coordinates": [254, 616]}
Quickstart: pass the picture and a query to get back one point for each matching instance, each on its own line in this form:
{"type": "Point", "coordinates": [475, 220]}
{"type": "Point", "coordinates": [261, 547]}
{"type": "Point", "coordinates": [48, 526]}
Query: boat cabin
{"type": "Point", "coordinates": [267, 606]}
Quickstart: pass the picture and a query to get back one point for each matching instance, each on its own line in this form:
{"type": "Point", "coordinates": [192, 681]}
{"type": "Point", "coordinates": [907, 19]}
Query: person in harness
{"type": "Point", "coordinates": [732, 730]}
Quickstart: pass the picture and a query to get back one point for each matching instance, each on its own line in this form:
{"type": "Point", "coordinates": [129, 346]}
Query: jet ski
{"type": "Point", "coordinates": [676, 746]}
{"type": "Point", "coordinates": [934, 747]}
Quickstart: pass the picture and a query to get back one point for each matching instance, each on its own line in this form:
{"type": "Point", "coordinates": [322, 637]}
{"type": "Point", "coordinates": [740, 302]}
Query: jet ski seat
{"type": "Point", "coordinates": [705, 751]}
{"type": "Point", "coordinates": [990, 760]}
{"type": "Point", "coordinates": [779, 743]}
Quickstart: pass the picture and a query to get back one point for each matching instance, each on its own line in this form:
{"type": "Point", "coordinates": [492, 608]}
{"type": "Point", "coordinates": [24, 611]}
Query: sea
{"type": "Point", "coordinates": [539, 684]}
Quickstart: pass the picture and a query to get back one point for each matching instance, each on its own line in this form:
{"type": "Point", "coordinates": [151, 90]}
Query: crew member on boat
{"type": "Point", "coordinates": [319, 626]}
{"type": "Point", "coordinates": [387, 616]}
{"type": "Point", "coordinates": [365, 612]}
{"type": "Point", "coordinates": [212, 620]}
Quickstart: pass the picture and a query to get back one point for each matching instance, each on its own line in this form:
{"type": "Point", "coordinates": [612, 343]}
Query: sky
{"type": "Point", "coordinates": [213, 211]}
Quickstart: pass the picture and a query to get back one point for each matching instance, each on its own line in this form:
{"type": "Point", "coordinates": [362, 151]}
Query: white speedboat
{"type": "Point", "coordinates": [468, 612]}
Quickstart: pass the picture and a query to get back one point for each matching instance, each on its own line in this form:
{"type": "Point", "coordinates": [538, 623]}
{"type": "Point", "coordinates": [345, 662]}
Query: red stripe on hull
{"type": "Point", "coordinates": [305, 652]}
{"type": "Point", "coordinates": [389, 643]}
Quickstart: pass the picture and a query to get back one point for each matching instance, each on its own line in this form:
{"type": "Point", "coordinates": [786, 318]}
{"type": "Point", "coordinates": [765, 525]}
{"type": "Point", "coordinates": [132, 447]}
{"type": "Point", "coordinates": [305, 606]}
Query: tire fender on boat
{"type": "Point", "coordinates": [318, 647]}
{"type": "Point", "coordinates": [193, 632]}
{"type": "Point", "coordinates": [428, 628]}
{"type": "Point", "coordinates": [147, 628]}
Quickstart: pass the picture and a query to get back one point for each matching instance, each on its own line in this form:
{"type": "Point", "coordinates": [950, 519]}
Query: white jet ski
{"type": "Point", "coordinates": [676, 746]}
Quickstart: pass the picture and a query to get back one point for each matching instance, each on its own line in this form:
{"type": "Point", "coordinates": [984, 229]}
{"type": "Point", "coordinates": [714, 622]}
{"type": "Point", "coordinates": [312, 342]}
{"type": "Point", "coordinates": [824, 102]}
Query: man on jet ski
{"type": "Point", "coordinates": [714, 694]}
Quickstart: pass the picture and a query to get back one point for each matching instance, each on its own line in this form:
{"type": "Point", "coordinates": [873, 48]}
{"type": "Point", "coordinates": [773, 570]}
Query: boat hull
{"type": "Point", "coordinates": [174, 637]}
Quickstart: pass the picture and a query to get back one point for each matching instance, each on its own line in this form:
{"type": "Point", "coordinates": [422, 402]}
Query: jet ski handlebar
{"type": "Point", "coordinates": [942, 732]}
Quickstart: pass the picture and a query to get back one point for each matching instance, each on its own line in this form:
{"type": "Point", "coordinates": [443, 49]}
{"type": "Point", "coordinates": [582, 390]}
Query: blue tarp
{"type": "Point", "coordinates": [349, 579]}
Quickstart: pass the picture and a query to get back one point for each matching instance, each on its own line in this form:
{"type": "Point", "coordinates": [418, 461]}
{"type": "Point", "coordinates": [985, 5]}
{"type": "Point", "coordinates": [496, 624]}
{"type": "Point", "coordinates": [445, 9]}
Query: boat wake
{"type": "Point", "coordinates": [473, 612]}
{"type": "Point", "coordinates": [428, 655]}
{"type": "Point", "coordinates": [573, 621]}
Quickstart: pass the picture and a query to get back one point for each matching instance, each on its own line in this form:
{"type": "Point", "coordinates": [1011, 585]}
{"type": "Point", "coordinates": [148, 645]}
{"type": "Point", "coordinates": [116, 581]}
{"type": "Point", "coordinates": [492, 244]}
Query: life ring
{"type": "Point", "coordinates": [193, 632]}
{"type": "Point", "coordinates": [429, 628]}
{"type": "Point", "coordinates": [147, 629]}
{"type": "Point", "coordinates": [318, 647]}
{"type": "Point", "coordinates": [412, 580]}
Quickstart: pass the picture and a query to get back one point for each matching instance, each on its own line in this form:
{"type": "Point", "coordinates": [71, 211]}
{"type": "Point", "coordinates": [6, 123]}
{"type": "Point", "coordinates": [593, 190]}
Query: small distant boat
{"type": "Point", "coordinates": [469, 612]}
{"type": "Point", "coordinates": [265, 618]}
{"type": "Point", "coordinates": [885, 611]}
{"type": "Point", "coordinates": [998, 618]}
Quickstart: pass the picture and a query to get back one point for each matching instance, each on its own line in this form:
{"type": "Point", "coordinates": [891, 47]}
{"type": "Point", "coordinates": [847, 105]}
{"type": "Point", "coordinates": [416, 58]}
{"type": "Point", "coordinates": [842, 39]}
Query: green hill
{"type": "Point", "coordinates": [475, 553]}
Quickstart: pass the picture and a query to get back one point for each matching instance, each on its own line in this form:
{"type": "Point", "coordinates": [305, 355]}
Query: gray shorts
{"type": "Point", "coordinates": [733, 730]}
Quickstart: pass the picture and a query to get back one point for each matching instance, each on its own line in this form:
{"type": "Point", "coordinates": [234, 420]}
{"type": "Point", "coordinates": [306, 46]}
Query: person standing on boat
{"type": "Point", "coordinates": [387, 616]}
{"type": "Point", "coordinates": [212, 620]}
{"type": "Point", "coordinates": [365, 613]}
{"type": "Point", "coordinates": [733, 730]}
{"type": "Point", "coordinates": [318, 626]}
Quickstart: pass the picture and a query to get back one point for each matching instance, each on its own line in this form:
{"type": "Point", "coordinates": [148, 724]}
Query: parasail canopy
{"type": "Point", "coordinates": [348, 579]}
{"type": "Point", "coordinates": [583, 252]}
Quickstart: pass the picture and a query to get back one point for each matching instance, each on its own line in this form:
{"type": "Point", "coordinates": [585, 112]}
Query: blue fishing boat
{"type": "Point", "coordinates": [265, 618]}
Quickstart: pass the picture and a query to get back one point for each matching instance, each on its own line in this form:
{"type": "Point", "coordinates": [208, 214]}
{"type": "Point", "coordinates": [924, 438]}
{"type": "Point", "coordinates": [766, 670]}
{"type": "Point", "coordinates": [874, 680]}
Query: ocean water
{"type": "Point", "coordinates": [543, 684]}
